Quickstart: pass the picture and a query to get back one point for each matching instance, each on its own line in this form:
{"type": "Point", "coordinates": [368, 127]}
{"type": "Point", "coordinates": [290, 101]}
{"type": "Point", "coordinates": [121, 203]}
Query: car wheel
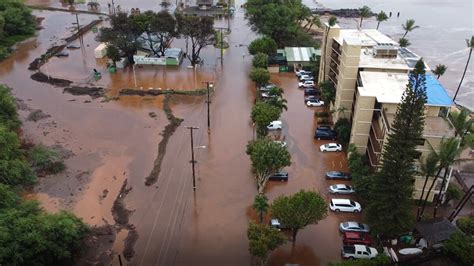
{"type": "Point", "coordinates": [336, 193]}
{"type": "Point", "coordinates": [337, 210]}
{"type": "Point", "coordinates": [356, 211]}
{"type": "Point", "coordinates": [319, 138]}
{"type": "Point", "coordinates": [324, 150]}
{"type": "Point", "coordinates": [338, 150]}
{"type": "Point", "coordinates": [351, 258]}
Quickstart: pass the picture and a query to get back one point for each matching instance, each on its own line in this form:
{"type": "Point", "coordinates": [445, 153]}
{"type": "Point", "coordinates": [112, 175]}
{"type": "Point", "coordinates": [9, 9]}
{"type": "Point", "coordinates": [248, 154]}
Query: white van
{"type": "Point", "coordinates": [344, 205]}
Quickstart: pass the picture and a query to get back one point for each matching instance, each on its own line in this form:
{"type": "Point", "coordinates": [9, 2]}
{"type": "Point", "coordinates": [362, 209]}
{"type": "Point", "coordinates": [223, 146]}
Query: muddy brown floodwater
{"type": "Point", "coordinates": [168, 223]}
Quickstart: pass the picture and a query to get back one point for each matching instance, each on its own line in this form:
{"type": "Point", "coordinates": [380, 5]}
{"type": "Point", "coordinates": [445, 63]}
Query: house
{"type": "Point", "coordinates": [291, 58]}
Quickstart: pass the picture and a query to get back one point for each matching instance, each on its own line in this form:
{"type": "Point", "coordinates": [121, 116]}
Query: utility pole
{"type": "Point", "coordinates": [222, 44]}
{"type": "Point", "coordinates": [209, 85]}
{"type": "Point", "coordinates": [192, 155]}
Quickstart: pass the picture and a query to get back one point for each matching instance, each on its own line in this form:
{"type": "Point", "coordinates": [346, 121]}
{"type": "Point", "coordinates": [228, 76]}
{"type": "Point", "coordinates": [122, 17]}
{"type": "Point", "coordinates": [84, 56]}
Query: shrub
{"type": "Point", "coordinates": [459, 247]}
{"type": "Point", "coordinates": [343, 130]}
{"type": "Point", "coordinates": [323, 120]}
{"type": "Point", "coordinates": [466, 224]}
{"type": "Point", "coordinates": [321, 114]}
{"type": "Point", "coordinates": [264, 45]}
{"type": "Point", "coordinates": [453, 193]}
{"type": "Point", "coordinates": [46, 160]}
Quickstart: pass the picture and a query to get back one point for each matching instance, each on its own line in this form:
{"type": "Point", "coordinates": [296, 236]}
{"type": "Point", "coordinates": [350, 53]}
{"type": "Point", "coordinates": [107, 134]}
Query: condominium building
{"type": "Point", "coordinates": [369, 72]}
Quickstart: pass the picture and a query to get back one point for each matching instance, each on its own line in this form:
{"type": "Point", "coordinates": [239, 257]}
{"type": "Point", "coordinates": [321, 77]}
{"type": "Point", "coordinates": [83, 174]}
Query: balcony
{"type": "Point", "coordinates": [334, 67]}
{"type": "Point", "coordinates": [336, 47]}
{"type": "Point", "coordinates": [373, 158]}
{"type": "Point", "coordinates": [376, 143]}
{"type": "Point", "coordinates": [435, 126]}
{"type": "Point", "coordinates": [335, 57]}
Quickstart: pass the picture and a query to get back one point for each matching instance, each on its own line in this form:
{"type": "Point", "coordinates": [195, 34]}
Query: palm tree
{"type": "Point", "coordinates": [462, 123]}
{"type": "Point", "coordinates": [439, 70]}
{"type": "Point", "coordinates": [364, 12]}
{"type": "Point", "coordinates": [403, 42]}
{"type": "Point", "coordinates": [313, 20]}
{"type": "Point", "coordinates": [447, 154]}
{"type": "Point", "coordinates": [409, 26]}
{"type": "Point", "coordinates": [470, 45]}
{"type": "Point", "coordinates": [381, 17]}
{"type": "Point", "coordinates": [331, 23]}
{"type": "Point", "coordinates": [260, 205]}
{"type": "Point", "coordinates": [428, 170]}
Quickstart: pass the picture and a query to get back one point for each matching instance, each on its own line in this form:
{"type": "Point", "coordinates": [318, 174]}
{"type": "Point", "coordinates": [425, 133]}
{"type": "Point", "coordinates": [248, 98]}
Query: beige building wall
{"type": "Point", "coordinates": [362, 121]}
{"type": "Point", "coordinates": [347, 79]}
{"type": "Point", "coordinates": [326, 49]}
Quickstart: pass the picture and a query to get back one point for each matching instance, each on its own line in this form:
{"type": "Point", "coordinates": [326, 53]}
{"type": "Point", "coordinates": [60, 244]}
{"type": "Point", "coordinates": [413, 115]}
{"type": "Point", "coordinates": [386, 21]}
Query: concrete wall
{"type": "Point", "coordinates": [362, 121]}
{"type": "Point", "coordinates": [326, 50]}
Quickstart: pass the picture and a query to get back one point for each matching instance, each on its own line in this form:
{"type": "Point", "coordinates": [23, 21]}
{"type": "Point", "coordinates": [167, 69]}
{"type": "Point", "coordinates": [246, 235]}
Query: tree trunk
{"type": "Point", "coordinates": [427, 195]}
{"type": "Point", "coordinates": [439, 75]}
{"type": "Point", "coordinates": [261, 217]}
{"type": "Point", "coordinates": [440, 194]}
{"type": "Point", "coordinates": [463, 74]}
{"type": "Point", "coordinates": [378, 24]}
{"type": "Point", "coordinates": [295, 232]}
{"type": "Point", "coordinates": [361, 19]}
{"type": "Point", "coordinates": [406, 32]}
{"type": "Point", "coordinates": [421, 197]}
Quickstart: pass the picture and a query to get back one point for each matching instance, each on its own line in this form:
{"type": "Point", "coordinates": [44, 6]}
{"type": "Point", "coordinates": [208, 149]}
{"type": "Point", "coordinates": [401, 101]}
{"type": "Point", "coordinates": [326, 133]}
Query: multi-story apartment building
{"type": "Point", "coordinates": [370, 73]}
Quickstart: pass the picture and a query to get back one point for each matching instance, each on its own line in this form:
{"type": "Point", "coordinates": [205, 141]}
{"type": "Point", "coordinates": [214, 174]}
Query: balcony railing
{"type": "Point", "coordinates": [334, 67]}
{"type": "Point", "coordinates": [335, 56]}
{"type": "Point", "coordinates": [336, 47]}
{"type": "Point", "coordinates": [373, 159]}
{"type": "Point", "coordinates": [376, 144]}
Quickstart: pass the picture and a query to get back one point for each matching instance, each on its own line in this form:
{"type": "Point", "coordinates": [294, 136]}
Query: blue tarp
{"type": "Point", "coordinates": [436, 93]}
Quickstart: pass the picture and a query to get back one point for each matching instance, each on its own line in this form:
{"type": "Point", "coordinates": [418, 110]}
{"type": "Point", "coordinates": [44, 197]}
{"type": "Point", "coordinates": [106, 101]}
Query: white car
{"type": "Point", "coordinates": [306, 84]}
{"type": "Point", "coordinates": [344, 205]}
{"type": "Point", "coordinates": [314, 102]}
{"type": "Point", "coordinates": [341, 189]}
{"type": "Point", "coordinates": [306, 77]}
{"type": "Point", "coordinates": [330, 147]}
{"type": "Point", "coordinates": [275, 125]}
{"type": "Point", "coordinates": [282, 143]}
{"type": "Point", "coordinates": [352, 226]}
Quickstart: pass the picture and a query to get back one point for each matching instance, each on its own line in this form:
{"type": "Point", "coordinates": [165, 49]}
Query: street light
{"type": "Point", "coordinates": [209, 86]}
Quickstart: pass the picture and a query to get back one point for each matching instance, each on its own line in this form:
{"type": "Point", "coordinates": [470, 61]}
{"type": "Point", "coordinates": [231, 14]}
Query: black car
{"type": "Point", "coordinates": [280, 176]}
{"type": "Point", "coordinates": [311, 91]}
{"type": "Point", "coordinates": [338, 175]}
{"type": "Point", "coordinates": [325, 134]}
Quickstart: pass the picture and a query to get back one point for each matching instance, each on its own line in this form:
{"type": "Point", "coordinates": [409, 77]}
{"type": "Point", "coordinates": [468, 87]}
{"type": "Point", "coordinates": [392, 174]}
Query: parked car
{"type": "Point", "coordinates": [331, 147]}
{"type": "Point", "coordinates": [324, 127]}
{"type": "Point", "coordinates": [275, 223]}
{"type": "Point", "coordinates": [356, 238]}
{"type": "Point", "coordinates": [310, 91]}
{"type": "Point", "coordinates": [358, 252]}
{"type": "Point", "coordinates": [314, 103]}
{"type": "Point", "coordinates": [325, 134]}
{"type": "Point", "coordinates": [310, 97]}
{"type": "Point", "coordinates": [338, 175]}
{"type": "Point", "coordinates": [341, 189]}
{"type": "Point", "coordinates": [275, 125]}
{"type": "Point", "coordinates": [344, 205]}
{"type": "Point", "coordinates": [62, 54]}
{"type": "Point", "coordinates": [282, 143]}
{"type": "Point", "coordinates": [303, 72]}
{"type": "Point", "coordinates": [306, 77]}
{"type": "Point", "coordinates": [280, 176]}
{"type": "Point", "coordinates": [306, 84]}
{"type": "Point", "coordinates": [351, 226]}
{"type": "Point", "coordinates": [267, 87]}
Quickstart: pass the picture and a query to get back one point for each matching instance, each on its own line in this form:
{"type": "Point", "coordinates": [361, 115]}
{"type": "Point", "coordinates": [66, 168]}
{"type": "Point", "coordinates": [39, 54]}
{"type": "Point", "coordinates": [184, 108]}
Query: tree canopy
{"type": "Point", "coordinates": [16, 24]}
{"type": "Point", "coordinates": [264, 45]}
{"type": "Point", "coordinates": [199, 31]}
{"type": "Point", "coordinates": [260, 76]}
{"type": "Point", "coordinates": [299, 210]}
{"type": "Point", "coordinates": [389, 211]}
{"type": "Point", "coordinates": [262, 114]}
{"type": "Point", "coordinates": [260, 60]}
{"type": "Point", "coordinates": [267, 157]}
{"type": "Point", "coordinates": [262, 240]}
{"type": "Point", "coordinates": [8, 113]}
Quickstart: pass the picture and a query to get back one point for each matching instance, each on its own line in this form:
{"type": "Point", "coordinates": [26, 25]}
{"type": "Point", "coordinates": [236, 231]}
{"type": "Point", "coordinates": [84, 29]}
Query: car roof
{"type": "Point", "coordinates": [353, 223]}
{"type": "Point", "coordinates": [341, 201]}
{"type": "Point", "coordinates": [342, 186]}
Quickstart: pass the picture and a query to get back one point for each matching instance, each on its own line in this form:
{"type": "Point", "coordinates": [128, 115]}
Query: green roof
{"type": "Point", "coordinates": [301, 54]}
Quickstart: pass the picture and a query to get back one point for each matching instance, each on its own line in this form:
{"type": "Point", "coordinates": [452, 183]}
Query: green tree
{"type": "Point", "coordinates": [260, 60]}
{"type": "Point", "coordinates": [13, 169]}
{"type": "Point", "coordinates": [113, 54]}
{"type": "Point", "coordinates": [265, 45]}
{"type": "Point", "coordinates": [200, 31]}
{"type": "Point", "coordinates": [470, 45]}
{"type": "Point", "coordinates": [428, 166]}
{"type": "Point", "coordinates": [299, 210]}
{"type": "Point", "coordinates": [408, 27]}
{"type": "Point", "coordinates": [164, 27]}
{"type": "Point", "coordinates": [8, 198]}
{"type": "Point", "coordinates": [275, 98]}
{"type": "Point", "coordinates": [32, 237]}
{"type": "Point", "coordinates": [461, 122]}
{"type": "Point", "coordinates": [439, 70]}
{"type": "Point", "coordinates": [452, 193]}
{"type": "Point", "coordinates": [262, 114]}
{"type": "Point", "coordinates": [466, 224]}
{"type": "Point", "coordinates": [381, 17]}
{"type": "Point", "coordinates": [459, 247]}
{"type": "Point", "coordinates": [331, 23]}
{"type": "Point", "coordinates": [267, 157]}
{"type": "Point", "coordinates": [260, 76]}
{"type": "Point", "coordinates": [263, 240]}
{"type": "Point", "coordinates": [312, 20]}
{"type": "Point", "coordinates": [8, 114]}
{"type": "Point", "coordinates": [403, 42]}
{"type": "Point", "coordinates": [123, 34]}
{"type": "Point", "coordinates": [328, 93]}
{"type": "Point", "coordinates": [17, 18]}
{"type": "Point", "coordinates": [361, 179]}
{"type": "Point", "coordinates": [343, 130]}
{"type": "Point", "coordinates": [364, 12]}
{"type": "Point", "coordinates": [260, 205]}
{"type": "Point", "coordinates": [390, 213]}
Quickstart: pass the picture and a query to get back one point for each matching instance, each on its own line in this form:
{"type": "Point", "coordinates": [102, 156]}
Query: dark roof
{"type": "Point", "coordinates": [436, 230]}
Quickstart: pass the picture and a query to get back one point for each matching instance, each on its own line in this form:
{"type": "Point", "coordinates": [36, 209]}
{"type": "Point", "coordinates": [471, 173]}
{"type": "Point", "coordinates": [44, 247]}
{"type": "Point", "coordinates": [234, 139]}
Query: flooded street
{"type": "Point", "coordinates": [114, 141]}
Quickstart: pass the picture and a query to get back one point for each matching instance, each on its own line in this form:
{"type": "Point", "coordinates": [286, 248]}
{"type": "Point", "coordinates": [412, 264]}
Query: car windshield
{"type": "Point", "coordinates": [346, 224]}
{"type": "Point", "coordinates": [367, 248]}
{"type": "Point", "coordinates": [360, 225]}
{"type": "Point", "coordinates": [353, 203]}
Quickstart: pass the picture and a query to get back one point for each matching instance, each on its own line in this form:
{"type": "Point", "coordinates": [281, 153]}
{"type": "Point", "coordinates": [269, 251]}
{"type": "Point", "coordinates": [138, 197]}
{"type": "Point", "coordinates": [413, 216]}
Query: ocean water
{"type": "Point", "coordinates": [441, 38]}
